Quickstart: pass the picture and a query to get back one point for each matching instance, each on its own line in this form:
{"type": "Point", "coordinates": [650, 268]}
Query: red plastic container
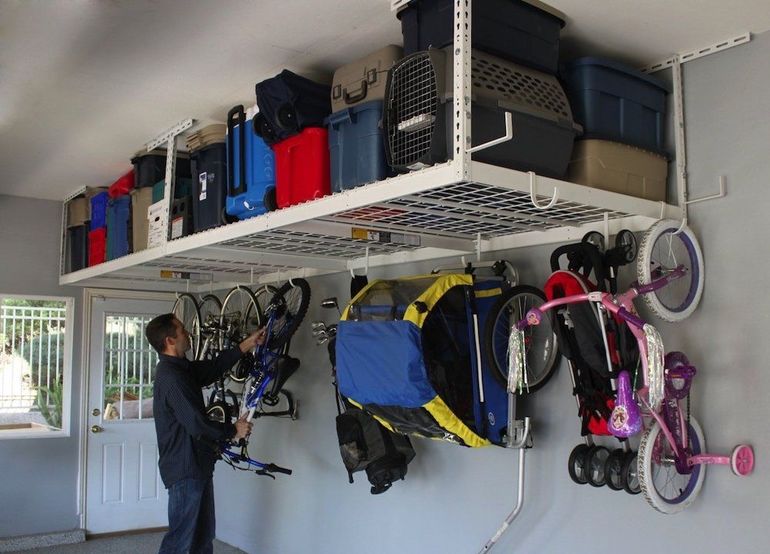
{"type": "Point", "coordinates": [97, 246]}
{"type": "Point", "coordinates": [122, 186]}
{"type": "Point", "coordinates": [302, 167]}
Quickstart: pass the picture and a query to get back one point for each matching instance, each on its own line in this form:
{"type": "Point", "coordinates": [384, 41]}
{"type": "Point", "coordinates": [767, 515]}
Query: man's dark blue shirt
{"type": "Point", "coordinates": [186, 437]}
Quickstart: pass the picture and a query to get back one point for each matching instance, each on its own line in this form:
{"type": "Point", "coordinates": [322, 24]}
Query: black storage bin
{"type": "Point", "coordinates": [150, 167]}
{"type": "Point", "coordinates": [526, 32]}
{"type": "Point", "coordinates": [77, 248]}
{"type": "Point", "coordinates": [180, 217]}
{"type": "Point", "coordinates": [209, 167]}
{"type": "Point", "coordinates": [289, 103]}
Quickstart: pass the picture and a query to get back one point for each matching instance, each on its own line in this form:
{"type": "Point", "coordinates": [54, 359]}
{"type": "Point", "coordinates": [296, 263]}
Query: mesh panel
{"type": "Point", "coordinates": [388, 300]}
{"type": "Point", "coordinates": [414, 100]}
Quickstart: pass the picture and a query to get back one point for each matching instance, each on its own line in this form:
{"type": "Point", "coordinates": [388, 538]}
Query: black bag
{"type": "Point", "coordinates": [287, 104]}
{"type": "Point", "coordinates": [367, 445]}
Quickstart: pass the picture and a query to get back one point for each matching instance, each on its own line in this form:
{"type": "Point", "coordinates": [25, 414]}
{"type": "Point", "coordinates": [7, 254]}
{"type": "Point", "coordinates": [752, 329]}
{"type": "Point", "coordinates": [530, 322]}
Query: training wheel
{"type": "Point", "coordinates": [742, 460]}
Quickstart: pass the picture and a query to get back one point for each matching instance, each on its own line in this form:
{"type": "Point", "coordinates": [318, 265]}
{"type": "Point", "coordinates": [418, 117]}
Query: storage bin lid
{"type": "Point", "coordinates": [619, 67]}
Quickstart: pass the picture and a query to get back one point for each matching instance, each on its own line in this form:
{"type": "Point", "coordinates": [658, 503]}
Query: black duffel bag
{"type": "Point", "coordinates": [287, 104]}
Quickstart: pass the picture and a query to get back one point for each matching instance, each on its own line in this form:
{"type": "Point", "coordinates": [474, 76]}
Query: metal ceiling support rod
{"type": "Point", "coordinates": [461, 80]}
{"type": "Point", "coordinates": [169, 138]}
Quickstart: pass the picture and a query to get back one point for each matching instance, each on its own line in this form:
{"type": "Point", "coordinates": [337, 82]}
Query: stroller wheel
{"type": "Point", "coordinates": [631, 474]}
{"type": "Point", "coordinates": [577, 464]}
{"type": "Point", "coordinates": [613, 469]}
{"type": "Point", "coordinates": [596, 458]}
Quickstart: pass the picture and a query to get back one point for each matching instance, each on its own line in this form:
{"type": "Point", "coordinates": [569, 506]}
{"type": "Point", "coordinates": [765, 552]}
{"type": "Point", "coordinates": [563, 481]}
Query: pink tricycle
{"type": "Point", "coordinates": [670, 461]}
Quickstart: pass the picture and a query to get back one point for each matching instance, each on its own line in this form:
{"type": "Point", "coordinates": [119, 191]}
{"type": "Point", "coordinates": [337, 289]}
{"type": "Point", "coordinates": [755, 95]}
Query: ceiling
{"type": "Point", "coordinates": [85, 83]}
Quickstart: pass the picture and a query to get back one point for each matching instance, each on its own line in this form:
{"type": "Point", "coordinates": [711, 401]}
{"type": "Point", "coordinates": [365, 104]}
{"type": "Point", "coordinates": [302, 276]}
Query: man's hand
{"type": "Point", "coordinates": [242, 428]}
{"type": "Point", "coordinates": [251, 342]}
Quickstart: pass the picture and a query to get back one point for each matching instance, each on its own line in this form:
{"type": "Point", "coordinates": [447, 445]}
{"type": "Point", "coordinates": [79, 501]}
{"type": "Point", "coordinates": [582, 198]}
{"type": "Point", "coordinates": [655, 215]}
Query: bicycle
{"type": "Point", "coordinates": [265, 372]}
{"type": "Point", "coordinates": [672, 459]}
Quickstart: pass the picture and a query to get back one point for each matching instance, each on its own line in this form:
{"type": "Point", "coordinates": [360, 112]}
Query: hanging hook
{"type": "Point", "coordinates": [533, 199]}
{"type": "Point", "coordinates": [366, 265]}
{"type": "Point", "coordinates": [478, 247]}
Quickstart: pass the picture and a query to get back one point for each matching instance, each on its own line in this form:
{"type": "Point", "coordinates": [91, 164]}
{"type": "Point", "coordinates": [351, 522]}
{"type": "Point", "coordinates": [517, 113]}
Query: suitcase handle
{"type": "Point", "coordinates": [236, 116]}
{"type": "Point", "coordinates": [353, 98]}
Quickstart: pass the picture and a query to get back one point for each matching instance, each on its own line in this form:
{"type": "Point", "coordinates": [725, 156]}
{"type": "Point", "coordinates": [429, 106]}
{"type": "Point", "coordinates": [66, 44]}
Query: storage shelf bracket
{"type": "Point", "coordinates": [721, 194]}
{"type": "Point", "coordinates": [505, 138]}
{"type": "Point", "coordinates": [532, 193]}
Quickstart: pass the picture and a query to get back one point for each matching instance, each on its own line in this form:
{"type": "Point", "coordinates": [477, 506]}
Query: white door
{"type": "Point", "coordinates": [123, 486]}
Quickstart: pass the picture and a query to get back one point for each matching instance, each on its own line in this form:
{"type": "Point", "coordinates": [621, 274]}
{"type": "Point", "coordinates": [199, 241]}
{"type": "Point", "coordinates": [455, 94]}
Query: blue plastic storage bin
{"type": "Point", "coordinates": [99, 210]}
{"type": "Point", "coordinates": [515, 30]}
{"type": "Point", "coordinates": [356, 146]}
{"type": "Point", "coordinates": [118, 217]}
{"type": "Point", "coordinates": [209, 167]}
{"type": "Point", "coordinates": [250, 168]}
{"type": "Point", "coordinates": [615, 102]}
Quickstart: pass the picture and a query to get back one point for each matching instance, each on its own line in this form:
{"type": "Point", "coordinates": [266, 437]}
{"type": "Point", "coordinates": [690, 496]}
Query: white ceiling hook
{"type": "Point", "coordinates": [532, 197]}
{"type": "Point", "coordinates": [681, 226]}
{"type": "Point", "coordinates": [366, 265]}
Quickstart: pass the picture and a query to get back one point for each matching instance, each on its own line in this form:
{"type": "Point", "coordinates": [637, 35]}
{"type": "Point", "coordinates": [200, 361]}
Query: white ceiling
{"type": "Point", "coordinates": [85, 83]}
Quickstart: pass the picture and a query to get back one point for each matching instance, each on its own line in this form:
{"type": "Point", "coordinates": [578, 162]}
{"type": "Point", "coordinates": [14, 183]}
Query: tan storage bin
{"type": "Point", "coordinates": [140, 202]}
{"type": "Point", "coordinates": [79, 209]}
{"type": "Point", "coordinates": [363, 80]}
{"type": "Point", "coordinates": [617, 167]}
{"type": "Point", "coordinates": [210, 134]}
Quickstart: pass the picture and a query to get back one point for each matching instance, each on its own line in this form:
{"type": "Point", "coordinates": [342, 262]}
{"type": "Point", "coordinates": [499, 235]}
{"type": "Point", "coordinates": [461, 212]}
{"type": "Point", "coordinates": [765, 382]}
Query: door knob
{"type": "Point", "coordinates": [96, 429]}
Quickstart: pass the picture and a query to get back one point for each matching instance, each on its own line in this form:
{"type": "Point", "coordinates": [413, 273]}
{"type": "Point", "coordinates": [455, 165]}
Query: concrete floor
{"type": "Point", "coordinates": [145, 543]}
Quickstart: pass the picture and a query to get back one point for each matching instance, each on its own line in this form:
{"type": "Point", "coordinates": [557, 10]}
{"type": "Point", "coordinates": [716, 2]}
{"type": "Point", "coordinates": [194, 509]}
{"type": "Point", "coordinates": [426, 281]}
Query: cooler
{"type": "Point", "coordinates": [250, 167]}
{"type": "Point", "coordinates": [302, 167]}
{"type": "Point", "coordinates": [356, 146]}
{"type": "Point", "coordinates": [209, 168]}
{"type": "Point", "coordinates": [617, 103]}
{"type": "Point", "coordinates": [363, 80]}
{"type": "Point", "coordinates": [526, 32]}
{"type": "Point", "coordinates": [122, 186]}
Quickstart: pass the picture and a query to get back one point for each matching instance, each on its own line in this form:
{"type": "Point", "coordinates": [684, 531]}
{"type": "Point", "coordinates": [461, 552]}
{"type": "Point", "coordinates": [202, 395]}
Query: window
{"type": "Point", "coordinates": [129, 368]}
{"type": "Point", "coordinates": [35, 362]}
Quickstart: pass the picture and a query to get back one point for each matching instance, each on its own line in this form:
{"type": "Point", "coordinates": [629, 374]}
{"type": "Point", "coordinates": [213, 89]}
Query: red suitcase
{"type": "Point", "coordinates": [302, 167]}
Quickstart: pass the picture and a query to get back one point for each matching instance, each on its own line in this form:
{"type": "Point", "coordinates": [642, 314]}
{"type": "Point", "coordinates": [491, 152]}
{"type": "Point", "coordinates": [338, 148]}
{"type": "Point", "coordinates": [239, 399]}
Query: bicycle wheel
{"type": "Point", "coordinates": [664, 488]}
{"type": "Point", "coordinates": [240, 315]}
{"type": "Point", "coordinates": [288, 306]}
{"type": "Point", "coordinates": [210, 311]}
{"type": "Point", "coordinates": [264, 295]}
{"type": "Point", "coordinates": [542, 354]}
{"type": "Point", "coordinates": [186, 310]}
{"type": "Point", "coordinates": [661, 252]}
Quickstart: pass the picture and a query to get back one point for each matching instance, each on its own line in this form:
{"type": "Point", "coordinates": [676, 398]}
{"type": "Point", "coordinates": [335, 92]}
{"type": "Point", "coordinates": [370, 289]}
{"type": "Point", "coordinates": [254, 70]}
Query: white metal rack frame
{"type": "Point", "coordinates": [456, 208]}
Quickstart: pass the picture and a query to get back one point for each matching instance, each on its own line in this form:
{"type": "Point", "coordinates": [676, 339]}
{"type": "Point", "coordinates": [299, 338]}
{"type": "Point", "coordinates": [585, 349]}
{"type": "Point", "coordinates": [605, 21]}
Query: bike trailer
{"type": "Point", "coordinates": [287, 104]}
{"type": "Point", "coordinates": [250, 168]}
{"type": "Point", "coordinates": [407, 352]}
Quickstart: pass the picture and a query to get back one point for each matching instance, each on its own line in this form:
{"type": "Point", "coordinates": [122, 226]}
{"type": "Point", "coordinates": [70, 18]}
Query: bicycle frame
{"type": "Point", "coordinates": [654, 396]}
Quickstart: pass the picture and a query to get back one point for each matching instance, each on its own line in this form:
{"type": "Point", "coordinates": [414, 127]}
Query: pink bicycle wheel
{"type": "Point", "coordinates": [742, 460]}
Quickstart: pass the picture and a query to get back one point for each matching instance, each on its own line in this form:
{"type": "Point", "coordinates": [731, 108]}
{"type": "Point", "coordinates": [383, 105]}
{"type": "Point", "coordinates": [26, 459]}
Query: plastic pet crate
{"type": "Point", "coordinates": [118, 218]}
{"type": "Point", "coordinates": [140, 202]}
{"type": "Point", "coordinates": [302, 167]}
{"type": "Point", "coordinates": [526, 32]}
{"type": "Point", "coordinates": [356, 146]}
{"type": "Point", "coordinates": [150, 167]}
{"type": "Point", "coordinates": [99, 210]}
{"type": "Point", "coordinates": [420, 117]}
{"type": "Point", "coordinates": [77, 248]}
{"type": "Point", "coordinates": [209, 167]}
{"type": "Point", "coordinates": [250, 167]}
{"type": "Point", "coordinates": [363, 80]}
{"type": "Point", "coordinates": [97, 246]}
{"type": "Point", "coordinates": [615, 102]}
{"type": "Point", "coordinates": [619, 168]}
{"type": "Point", "coordinates": [122, 186]}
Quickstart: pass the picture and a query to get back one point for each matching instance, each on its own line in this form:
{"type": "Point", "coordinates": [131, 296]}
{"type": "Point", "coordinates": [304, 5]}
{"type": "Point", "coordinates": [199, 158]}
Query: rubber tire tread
{"type": "Point", "coordinates": [195, 333]}
{"type": "Point", "coordinates": [278, 341]}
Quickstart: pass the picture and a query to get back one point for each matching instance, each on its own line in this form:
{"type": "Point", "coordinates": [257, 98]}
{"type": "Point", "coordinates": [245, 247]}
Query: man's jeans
{"type": "Point", "coordinates": [191, 523]}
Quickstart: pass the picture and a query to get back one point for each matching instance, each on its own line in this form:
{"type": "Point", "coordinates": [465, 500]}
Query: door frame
{"type": "Point", "coordinates": [89, 294]}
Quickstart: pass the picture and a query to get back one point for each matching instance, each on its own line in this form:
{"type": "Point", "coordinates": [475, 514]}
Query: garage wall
{"type": "Point", "coordinates": [455, 498]}
{"type": "Point", "coordinates": [39, 476]}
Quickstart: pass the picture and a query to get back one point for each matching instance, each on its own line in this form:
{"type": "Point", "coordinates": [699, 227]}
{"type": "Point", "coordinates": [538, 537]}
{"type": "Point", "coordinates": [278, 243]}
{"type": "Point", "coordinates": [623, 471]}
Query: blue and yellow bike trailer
{"type": "Point", "coordinates": [409, 352]}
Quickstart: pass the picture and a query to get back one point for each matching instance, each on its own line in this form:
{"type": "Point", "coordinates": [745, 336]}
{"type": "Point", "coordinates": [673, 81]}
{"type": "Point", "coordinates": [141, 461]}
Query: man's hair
{"type": "Point", "coordinates": [159, 329]}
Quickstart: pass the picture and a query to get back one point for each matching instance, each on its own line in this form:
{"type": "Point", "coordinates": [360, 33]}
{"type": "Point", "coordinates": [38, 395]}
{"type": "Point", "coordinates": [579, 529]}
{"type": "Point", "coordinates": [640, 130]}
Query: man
{"type": "Point", "coordinates": [186, 437]}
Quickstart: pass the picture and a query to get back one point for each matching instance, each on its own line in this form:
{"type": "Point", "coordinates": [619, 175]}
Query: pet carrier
{"type": "Point", "coordinates": [408, 352]}
{"type": "Point", "coordinates": [363, 80]}
{"type": "Point", "coordinates": [287, 104]}
{"type": "Point", "coordinates": [418, 117]}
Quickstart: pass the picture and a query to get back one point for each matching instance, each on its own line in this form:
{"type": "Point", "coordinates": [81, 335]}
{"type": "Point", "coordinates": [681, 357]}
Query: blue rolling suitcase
{"type": "Point", "coordinates": [250, 169]}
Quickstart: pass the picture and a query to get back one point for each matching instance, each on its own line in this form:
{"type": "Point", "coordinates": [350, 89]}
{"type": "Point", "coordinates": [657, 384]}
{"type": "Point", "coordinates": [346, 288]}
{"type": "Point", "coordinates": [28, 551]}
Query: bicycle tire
{"type": "Point", "coordinates": [240, 302]}
{"type": "Point", "coordinates": [186, 310]}
{"type": "Point", "coordinates": [674, 492]}
{"type": "Point", "coordinates": [512, 306]}
{"type": "Point", "coordinates": [210, 309]}
{"type": "Point", "coordinates": [292, 301]}
{"type": "Point", "coordinates": [666, 302]}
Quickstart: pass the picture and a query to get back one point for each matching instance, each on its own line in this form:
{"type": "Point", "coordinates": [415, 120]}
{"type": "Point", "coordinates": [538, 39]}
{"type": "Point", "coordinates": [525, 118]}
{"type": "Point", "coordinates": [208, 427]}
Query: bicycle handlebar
{"type": "Point", "coordinates": [272, 468]}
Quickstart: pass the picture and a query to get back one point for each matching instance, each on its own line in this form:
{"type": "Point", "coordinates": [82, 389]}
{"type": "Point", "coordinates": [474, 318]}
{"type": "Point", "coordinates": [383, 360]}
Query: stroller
{"type": "Point", "coordinates": [597, 347]}
{"type": "Point", "coordinates": [409, 352]}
